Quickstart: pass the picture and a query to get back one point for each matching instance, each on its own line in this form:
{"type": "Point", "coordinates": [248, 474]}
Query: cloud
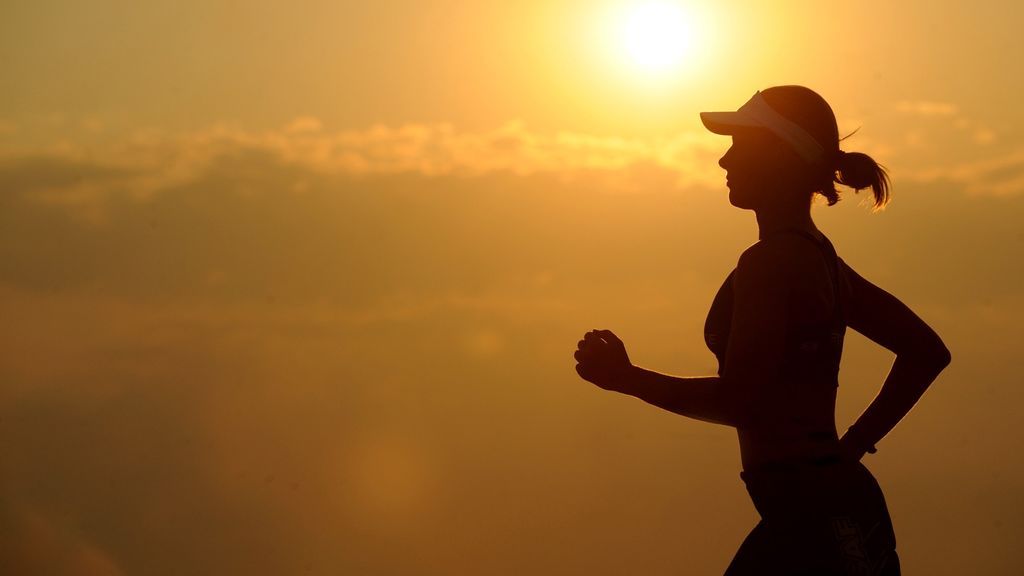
{"type": "Point", "coordinates": [930, 126]}
{"type": "Point", "coordinates": [147, 162]}
{"type": "Point", "coordinates": [984, 136]}
{"type": "Point", "coordinates": [926, 108]}
{"type": "Point", "coordinates": [304, 124]}
{"type": "Point", "coordinates": [1001, 175]}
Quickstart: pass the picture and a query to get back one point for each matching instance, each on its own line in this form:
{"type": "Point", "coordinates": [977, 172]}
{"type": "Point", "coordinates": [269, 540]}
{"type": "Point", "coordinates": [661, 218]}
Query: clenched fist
{"type": "Point", "coordinates": [601, 358]}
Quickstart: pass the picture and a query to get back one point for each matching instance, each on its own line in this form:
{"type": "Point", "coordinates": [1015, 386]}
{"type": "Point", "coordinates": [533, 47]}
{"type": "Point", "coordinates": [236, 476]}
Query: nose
{"type": "Point", "coordinates": [726, 159]}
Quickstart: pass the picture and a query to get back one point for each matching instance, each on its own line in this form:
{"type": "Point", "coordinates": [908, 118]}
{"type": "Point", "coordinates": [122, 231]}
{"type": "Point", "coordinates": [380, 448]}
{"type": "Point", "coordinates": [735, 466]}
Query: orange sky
{"type": "Point", "coordinates": [296, 290]}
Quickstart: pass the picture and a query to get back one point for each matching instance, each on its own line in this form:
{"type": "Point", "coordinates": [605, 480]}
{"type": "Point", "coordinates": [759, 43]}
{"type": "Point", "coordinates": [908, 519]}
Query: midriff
{"type": "Point", "coordinates": [802, 427]}
{"type": "Point", "coordinates": [760, 447]}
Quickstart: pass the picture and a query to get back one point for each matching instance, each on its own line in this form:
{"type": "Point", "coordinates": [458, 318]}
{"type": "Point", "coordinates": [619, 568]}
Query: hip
{"type": "Point", "coordinates": [824, 494]}
{"type": "Point", "coordinates": [826, 481]}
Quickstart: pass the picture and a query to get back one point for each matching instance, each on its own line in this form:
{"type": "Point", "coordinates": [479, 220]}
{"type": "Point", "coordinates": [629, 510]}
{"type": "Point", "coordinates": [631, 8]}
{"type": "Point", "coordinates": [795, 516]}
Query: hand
{"type": "Point", "coordinates": [601, 358]}
{"type": "Point", "coordinates": [848, 452]}
{"type": "Point", "coordinates": [850, 449]}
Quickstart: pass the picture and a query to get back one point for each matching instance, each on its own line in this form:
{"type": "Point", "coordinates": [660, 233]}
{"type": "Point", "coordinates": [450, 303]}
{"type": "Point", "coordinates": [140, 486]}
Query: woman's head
{"type": "Point", "coordinates": [785, 141]}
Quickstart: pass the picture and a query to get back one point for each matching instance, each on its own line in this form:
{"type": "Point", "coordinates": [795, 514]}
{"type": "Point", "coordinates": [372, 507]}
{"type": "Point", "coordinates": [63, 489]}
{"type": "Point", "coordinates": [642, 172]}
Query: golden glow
{"type": "Point", "coordinates": [217, 223]}
{"type": "Point", "coordinates": [657, 36]}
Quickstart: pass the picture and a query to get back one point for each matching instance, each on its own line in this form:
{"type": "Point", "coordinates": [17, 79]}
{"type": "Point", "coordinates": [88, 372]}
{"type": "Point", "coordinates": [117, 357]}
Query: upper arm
{"type": "Point", "coordinates": [884, 319]}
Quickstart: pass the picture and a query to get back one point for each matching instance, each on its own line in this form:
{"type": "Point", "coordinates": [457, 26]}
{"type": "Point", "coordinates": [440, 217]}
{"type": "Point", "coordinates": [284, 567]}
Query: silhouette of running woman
{"type": "Point", "coordinates": [777, 326]}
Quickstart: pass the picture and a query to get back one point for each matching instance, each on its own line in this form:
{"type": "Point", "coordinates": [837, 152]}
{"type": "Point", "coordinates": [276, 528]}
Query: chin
{"type": "Point", "coordinates": [739, 200]}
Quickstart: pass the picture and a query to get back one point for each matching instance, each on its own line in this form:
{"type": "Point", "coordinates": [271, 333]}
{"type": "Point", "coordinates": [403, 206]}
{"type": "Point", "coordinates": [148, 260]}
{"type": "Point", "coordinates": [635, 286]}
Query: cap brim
{"type": "Point", "coordinates": [727, 123]}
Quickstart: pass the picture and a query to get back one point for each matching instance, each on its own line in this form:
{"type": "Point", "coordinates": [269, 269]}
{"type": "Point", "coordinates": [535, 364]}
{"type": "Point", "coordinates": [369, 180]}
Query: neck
{"type": "Point", "coordinates": [784, 217]}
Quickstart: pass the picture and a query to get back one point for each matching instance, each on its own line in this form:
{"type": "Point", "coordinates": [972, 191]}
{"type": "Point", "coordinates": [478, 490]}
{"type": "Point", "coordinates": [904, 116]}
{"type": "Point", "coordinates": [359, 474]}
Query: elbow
{"type": "Point", "coordinates": [934, 355]}
{"type": "Point", "coordinates": [944, 357]}
{"type": "Point", "coordinates": [938, 355]}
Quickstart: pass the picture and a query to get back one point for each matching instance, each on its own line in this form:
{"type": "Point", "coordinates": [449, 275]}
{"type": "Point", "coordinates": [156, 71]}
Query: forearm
{"type": "Point", "coordinates": [696, 397]}
{"type": "Point", "coordinates": [906, 382]}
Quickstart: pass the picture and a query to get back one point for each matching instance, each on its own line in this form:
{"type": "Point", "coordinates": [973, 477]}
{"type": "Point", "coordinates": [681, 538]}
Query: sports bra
{"type": "Point", "coordinates": [812, 351]}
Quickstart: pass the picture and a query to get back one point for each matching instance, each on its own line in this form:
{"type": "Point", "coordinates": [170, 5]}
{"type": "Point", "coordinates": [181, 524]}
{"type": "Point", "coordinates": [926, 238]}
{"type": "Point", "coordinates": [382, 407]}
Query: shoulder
{"type": "Point", "coordinates": [778, 261]}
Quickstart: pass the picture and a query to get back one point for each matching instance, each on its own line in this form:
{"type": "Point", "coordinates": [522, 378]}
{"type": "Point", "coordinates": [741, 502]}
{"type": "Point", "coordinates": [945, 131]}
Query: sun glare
{"type": "Point", "coordinates": [657, 36]}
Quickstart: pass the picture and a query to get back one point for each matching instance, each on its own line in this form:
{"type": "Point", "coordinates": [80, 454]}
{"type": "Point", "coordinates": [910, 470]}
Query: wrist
{"type": "Point", "coordinates": [855, 437]}
{"type": "Point", "coordinates": [624, 379]}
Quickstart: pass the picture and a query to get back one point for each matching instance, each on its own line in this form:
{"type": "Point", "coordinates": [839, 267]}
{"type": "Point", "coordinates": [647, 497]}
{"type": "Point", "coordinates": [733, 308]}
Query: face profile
{"type": "Point", "coordinates": [758, 167]}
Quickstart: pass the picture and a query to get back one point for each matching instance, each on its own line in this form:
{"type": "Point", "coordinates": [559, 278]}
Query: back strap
{"type": "Point", "coordinates": [832, 260]}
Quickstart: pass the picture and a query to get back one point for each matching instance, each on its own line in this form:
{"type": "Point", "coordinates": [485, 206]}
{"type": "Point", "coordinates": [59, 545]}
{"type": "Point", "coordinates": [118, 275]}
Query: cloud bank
{"type": "Point", "coordinates": [84, 173]}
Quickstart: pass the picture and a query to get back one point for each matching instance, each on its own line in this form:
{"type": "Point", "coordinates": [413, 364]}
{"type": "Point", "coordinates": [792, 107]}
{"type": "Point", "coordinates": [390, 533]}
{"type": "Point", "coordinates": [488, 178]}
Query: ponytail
{"type": "Point", "coordinates": [856, 170]}
{"type": "Point", "coordinates": [859, 171]}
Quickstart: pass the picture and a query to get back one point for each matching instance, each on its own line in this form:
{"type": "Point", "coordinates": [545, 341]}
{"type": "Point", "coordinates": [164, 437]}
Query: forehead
{"type": "Point", "coordinates": [749, 133]}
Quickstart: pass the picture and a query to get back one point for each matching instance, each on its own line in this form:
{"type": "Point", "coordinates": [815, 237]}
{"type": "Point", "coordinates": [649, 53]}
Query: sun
{"type": "Point", "coordinates": [657, 36]}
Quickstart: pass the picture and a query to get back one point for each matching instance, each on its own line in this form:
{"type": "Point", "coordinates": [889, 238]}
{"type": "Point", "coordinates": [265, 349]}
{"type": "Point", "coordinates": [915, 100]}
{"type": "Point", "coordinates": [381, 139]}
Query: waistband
{"type": "Point", "coordinates": [795, 465]}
